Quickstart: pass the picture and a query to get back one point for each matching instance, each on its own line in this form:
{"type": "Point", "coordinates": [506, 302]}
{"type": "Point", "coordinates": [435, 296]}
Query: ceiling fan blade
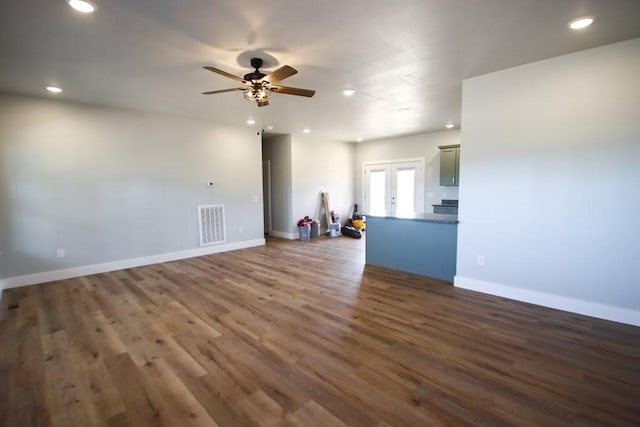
{"type": "Point", "coordinates": [211, 92]}
{"type": "Point", "coordinates": [224, 73]}
{"type": "Point", "coordinates": [280, 74]}
{"type": "Point", "coordinates": [293, 91]}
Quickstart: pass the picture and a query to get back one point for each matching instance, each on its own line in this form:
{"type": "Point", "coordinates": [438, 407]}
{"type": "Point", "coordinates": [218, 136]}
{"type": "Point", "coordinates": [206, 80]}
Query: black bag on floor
{"type": "Point", "coordinates": [351, 231]}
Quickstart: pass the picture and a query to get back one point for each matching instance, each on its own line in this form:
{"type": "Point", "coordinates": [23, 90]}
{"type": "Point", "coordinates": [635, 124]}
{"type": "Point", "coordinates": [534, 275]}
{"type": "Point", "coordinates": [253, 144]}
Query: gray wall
{"type": "Point", "coordinates": [108, 185]}
{"type": "Point", "coordinates": [423, 146]}
{"type": "Point", "coordinates": [321, 166]}
{"type": "Point", "coordinates": [550, 167]}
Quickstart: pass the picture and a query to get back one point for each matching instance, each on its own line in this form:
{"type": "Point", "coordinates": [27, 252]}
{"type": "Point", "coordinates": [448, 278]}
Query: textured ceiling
{"type": "Point", "coordinates": [148, 55]}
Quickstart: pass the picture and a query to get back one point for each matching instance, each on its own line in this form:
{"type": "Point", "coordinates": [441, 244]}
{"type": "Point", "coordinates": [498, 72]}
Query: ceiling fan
{"type": "Point", "coordinates": [258, 86]}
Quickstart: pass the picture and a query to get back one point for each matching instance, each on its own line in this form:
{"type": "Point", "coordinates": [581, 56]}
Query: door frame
{"type": "Point", "coordinates": [266, 196]}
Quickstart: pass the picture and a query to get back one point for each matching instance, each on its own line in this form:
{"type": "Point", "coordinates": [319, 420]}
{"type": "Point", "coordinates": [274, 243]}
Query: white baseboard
{"type": "Point", "coordinates": [50, 276]}
{"type": "Point", "coordinates": [601, 311]}
{"type": "Point", "coordinates": [284, 235]}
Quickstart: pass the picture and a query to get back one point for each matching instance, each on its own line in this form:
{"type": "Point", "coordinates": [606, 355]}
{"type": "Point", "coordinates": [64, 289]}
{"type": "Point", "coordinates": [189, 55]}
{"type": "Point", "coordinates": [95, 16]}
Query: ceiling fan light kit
{"type": "Point", "coordinates": [258, 92]}
{"type": "Point", "coordinates": [259, 86]}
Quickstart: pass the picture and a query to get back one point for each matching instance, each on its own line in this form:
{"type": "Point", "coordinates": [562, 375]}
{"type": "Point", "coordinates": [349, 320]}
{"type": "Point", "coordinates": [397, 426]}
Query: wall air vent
{"type": "Point", "coordinates": [212, 226]}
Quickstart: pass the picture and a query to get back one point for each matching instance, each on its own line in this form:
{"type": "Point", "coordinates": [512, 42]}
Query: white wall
{"type": "Point", "coordinates": [321, 166]}
{"type": "Point", "coordinates": [550, 167]}
{"type": "Point", "coordinates": [109, 185]}
{"type": "Point", "coordinates": [423, 146]}
{"type": "Point", "coordinates": [277, 149]}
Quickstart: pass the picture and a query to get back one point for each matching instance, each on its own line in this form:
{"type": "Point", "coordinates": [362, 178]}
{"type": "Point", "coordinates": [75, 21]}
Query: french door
{"type": "Point", "coordinates": [394, 188]}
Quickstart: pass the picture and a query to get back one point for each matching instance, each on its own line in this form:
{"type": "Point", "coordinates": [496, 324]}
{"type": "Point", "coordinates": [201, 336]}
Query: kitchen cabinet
{"type": "Point", "coordinates": [449, 165]}
{"type": "Point", "coordinates": [446, 210]}
{"type": "Point", "coordinates": [448, 207]}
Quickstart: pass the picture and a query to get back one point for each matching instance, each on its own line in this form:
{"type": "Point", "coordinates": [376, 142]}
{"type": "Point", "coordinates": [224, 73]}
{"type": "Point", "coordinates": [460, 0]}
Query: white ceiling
{"type": "Point", "coordinates": [148, 55]}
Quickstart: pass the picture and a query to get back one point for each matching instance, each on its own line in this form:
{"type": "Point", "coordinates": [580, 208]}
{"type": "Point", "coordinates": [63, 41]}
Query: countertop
{"type": "Point", "coordinates": [424, 217]}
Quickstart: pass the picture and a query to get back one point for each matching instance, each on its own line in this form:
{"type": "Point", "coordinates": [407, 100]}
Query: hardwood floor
{"type": "Point", "coordinates": [302, 334]}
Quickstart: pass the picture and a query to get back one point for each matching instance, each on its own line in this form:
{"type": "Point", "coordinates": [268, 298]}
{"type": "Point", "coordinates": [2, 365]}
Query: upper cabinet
{"type": "Point", "coordinates": [449, 165]}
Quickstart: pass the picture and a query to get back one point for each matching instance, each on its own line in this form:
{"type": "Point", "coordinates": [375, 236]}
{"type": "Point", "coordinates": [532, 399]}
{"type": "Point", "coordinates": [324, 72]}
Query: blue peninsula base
{"type": "Point", "coordinates": [425, 245]}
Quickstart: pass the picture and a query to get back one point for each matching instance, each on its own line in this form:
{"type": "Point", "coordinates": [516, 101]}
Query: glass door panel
{"type": "Point", "coordinates": [377, 189]}
{"type": "Point", "coordinates": [405, 187]}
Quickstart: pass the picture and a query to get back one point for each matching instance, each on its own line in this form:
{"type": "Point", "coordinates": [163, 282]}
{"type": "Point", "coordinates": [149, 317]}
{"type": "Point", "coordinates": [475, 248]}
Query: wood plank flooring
{"type": "Point", "coordinates": [302, 334]}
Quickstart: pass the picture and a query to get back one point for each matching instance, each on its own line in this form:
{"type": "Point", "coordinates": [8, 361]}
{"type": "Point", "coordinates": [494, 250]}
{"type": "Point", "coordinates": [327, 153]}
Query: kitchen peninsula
{"type": "Point", "coordinates": [423, 244]}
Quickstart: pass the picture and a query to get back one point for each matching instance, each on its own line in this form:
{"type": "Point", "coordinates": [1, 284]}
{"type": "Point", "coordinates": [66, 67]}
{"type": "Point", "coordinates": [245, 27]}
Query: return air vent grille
{"type": "Point", "coordinates": [212, 227]}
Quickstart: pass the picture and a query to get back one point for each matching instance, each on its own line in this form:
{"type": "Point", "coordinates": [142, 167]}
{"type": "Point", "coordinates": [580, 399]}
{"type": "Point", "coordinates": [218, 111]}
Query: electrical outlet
{"type": "Point", "coordinates": [60, 253]}
{"type": "Point", "coordinates": [480, 259]}
{"type": "Point", "coordinates": [255, 199]}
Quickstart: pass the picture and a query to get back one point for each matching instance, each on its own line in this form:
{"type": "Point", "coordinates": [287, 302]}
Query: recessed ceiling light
{"type": "Point", "coordinates": [54, 89]}
{"type": "Point", "coordinates": [348, 92]}
{"type": "Point", "coordinates": [403, 110]}
{"type": "Point", "coordinates": [83, 6]}
{"type": "Point", "coordinates": [582, 22]}
{"type": "Point", "coordinates": [359, 139]}
{"type": "Point", "coordinates": [449, 125]}
{"type": "Point", "coordinates": [269, 127]}
{"type": "Point", "coordinates": [306, 130]}
{"type": "Point", "coordinates": [251, 122]}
